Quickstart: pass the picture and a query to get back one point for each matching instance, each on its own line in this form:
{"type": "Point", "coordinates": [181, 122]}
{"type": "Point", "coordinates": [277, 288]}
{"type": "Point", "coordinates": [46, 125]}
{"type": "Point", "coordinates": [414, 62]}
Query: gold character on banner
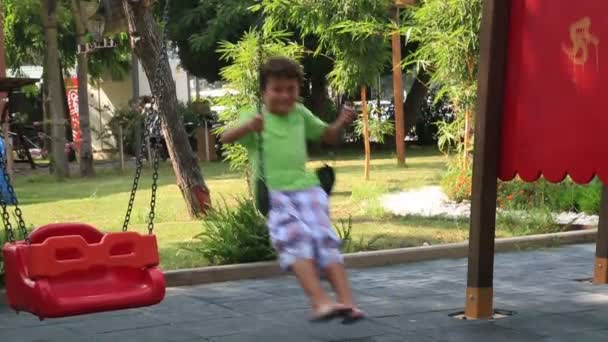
{"type": "Point", "coordinates": [582, 38]}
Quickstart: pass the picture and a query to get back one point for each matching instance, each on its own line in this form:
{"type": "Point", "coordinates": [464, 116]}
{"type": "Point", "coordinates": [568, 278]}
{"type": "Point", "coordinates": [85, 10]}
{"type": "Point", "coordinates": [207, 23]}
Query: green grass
{"type": "Point", "coordinates": [102, 202]}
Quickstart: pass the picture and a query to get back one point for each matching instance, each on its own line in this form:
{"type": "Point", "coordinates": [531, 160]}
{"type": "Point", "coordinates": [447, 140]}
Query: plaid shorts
{"type": "Point", "coordinates": [300, 228]}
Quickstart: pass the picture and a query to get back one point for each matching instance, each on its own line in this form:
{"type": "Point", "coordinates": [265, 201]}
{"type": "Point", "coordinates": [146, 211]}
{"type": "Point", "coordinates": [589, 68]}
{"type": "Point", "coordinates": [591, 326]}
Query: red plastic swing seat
{"type": "Point", "coordinates": [70, 269]}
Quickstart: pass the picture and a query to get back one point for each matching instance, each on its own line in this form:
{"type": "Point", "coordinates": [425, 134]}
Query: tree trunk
{"type": "Point", "coordinates": [415, 99]}
{"type": "Point", "coordinates": [398, 94]}
{"type": "Point", "coordinates": [46, 128]}
{"type": "Point", "coordinates": [53, 81]}
{"type": "Point", "coordinates": [368, 151]}
{"type": "Point", "coordinates": [146, 40]}
{"type": "Point", "coordinates": [86, 148]}
{"type": "Point", "coordinates": [136, 93]}
{"type": "Point", "coordinates": [318, 95]}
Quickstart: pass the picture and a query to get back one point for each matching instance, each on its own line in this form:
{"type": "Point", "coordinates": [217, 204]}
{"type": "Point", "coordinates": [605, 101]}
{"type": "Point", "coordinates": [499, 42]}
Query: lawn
{"type": "Point", "coordinates": [102, 202]}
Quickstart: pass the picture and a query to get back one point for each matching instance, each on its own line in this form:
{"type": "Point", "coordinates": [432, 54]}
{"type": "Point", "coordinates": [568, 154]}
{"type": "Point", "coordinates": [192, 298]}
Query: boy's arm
{"type": "Point", "coordinates": [333, 132]}
{"type": "Point", "coordinates": [255, 124]}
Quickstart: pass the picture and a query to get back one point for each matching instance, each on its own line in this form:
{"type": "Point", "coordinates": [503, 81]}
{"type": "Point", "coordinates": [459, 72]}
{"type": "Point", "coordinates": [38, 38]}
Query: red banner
{"type": "Point", "coordinates": [72, 94]}
{"type": "Point", "coordinates": [555, 108]}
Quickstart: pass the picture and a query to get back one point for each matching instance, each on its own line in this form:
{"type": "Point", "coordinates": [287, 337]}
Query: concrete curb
{"type": "Point", "coordinates": [260, 270]}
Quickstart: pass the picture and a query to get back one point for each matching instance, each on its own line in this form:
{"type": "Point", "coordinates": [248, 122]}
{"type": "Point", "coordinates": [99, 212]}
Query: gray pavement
{"type": "Point", "coordinates": [406, 303]}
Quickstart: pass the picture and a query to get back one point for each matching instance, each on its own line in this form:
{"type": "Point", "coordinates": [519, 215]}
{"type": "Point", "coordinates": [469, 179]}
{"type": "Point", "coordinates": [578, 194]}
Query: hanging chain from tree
{"type": "Point", "coordinates": [152, 130]}
{"type": "Point", "coordinates": [6, 219]}
{"type": "Point", "coordinates": [259, 101]}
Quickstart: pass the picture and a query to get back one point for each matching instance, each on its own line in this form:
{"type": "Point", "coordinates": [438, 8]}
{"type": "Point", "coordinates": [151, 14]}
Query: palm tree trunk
{"type": "Point", "coordinates": [53, 81]}
{"type": "Point", "coordinates": [368, 151]}
{"type": "Point", "coordinates": [86, 148]}
{"type": "Point", "coordinates": [147, 44]}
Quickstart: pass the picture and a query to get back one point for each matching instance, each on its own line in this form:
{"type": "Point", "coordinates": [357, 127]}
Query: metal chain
{"type": "Point", "coordinates": [152, 129]}
{"type": "Point", "coordinates": [156, 123]}
{"type": "Point", "coordinates": [8, 227]}
{"type": "Point", "coordinates": [155, 164]}
{"type": "Point", "coordinates": [260, 57]}
{"type": "Point", "coordinates": [5, 214]}
{"type": "Point", "coordinates": [139, 164]}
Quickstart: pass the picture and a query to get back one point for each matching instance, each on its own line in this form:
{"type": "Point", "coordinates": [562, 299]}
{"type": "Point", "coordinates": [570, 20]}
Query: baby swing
{"type": "Point", "coordinates": [68, 269]}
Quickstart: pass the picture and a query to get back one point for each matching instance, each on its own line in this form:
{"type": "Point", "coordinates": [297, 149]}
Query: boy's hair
{"type": "Point", "coordinates": [280, 67]}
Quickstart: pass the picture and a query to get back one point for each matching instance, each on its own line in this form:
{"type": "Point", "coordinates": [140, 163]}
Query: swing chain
{"type": "Point", "coordinates": [152, 129]}
{"type": "Point", "coordinates": [259, 104]}
{"type": "Point", "coordinates": [139, 164]}
{"type": "Point", "coordinates": [156, 124]}
{"type": "Point", "coordinates": [156, 146]}
{"type": "Point", "coordinates": [8, 227]}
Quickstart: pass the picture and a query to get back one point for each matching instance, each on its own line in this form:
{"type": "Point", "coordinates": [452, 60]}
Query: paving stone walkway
{"type": "Point", "coordinates": [406, 303]}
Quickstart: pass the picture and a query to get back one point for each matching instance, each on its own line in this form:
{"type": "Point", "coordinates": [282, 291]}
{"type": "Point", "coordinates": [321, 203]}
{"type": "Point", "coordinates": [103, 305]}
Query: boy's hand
{"type": "Point", "coordinates": [256, 124]}
{"type": "Point", "coordinates": [347, 115]}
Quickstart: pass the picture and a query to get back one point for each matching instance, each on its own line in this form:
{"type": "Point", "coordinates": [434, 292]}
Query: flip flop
{"type": "Point", "coordinates": [355, 315]}
{"type": "Point", "coordinates": [330, 312]}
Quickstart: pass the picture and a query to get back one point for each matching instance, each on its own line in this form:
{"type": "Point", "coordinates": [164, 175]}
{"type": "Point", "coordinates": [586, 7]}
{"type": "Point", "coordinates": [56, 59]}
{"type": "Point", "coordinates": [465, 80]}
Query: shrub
{"type": "Point", "coordinates": [533, 221]}
{"type": "Point", "coordinates": [434, 110]}
{"type": "Point", "coordinates": [589, 196]}
{"type": "Point", "coordinates": [234, 234]}
{"type": "Point", "coordinates": [129, 120]}
{"type": "Point", "coordinates": [379, 128]}
{"type": "Point", "coordinates": [349, 245]}
{"type": "Point", "coordinates": [564, 196]}
{"type": "Point", "coordinates": [457, 181]}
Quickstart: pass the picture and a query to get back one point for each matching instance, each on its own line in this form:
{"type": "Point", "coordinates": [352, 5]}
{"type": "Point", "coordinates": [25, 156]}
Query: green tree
{"type": "Point", "coordinates": [23, 23]}
{"type": "Point", "coordinates": [359, 57]}
{"type": "Point", "coordinates": [55, 98]}
{"type": "Point", "coordinates": [242, 76]}
{"type": "Point", "coordinates": [197, 27]}
{"type": "Point", "coordinates": [447, 32]}
{"type": "Point", "coordinates": [148, 43]}
{"type": "Point", "coordinates": [82, 70]}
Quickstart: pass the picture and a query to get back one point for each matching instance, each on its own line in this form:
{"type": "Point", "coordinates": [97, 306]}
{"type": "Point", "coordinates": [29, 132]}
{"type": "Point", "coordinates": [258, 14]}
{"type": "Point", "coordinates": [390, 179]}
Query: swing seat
{"type": "Point", "coordinates": [71, 269]}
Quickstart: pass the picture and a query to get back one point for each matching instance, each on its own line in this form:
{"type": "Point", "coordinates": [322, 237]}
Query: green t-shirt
{"type": "Point", "coordinates": [284, 143]}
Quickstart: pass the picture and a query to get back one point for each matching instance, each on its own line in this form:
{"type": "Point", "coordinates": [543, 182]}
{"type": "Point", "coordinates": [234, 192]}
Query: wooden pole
{"type": "Point", "coordinates": [368, 151]}
{"type": "Point", "coordinates": [600, 273]}
{"type": "Point", "coordinates": [494, 35]}
{"type": "Point", "coordinates": [398, 93]}
{"type": "Point", "coordinates": [121, 149]}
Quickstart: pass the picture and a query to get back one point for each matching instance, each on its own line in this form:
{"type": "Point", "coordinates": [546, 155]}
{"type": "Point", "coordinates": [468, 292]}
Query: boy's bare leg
{"type": "Point", "coordinates": [308, 277]}
{"type": "Point", "coordinates": [336, 274]}
{"type": "Point", "coordinates": [339, 281]}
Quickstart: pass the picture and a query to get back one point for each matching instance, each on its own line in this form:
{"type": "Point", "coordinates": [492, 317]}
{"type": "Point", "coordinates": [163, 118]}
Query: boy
{"type": "Point", "coordinates": [298, 219]}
